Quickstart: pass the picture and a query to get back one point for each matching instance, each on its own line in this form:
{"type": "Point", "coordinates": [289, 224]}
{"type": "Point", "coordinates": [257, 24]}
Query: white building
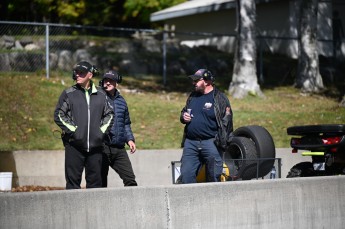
{"type": "Point", "coordinates": [276, 24]}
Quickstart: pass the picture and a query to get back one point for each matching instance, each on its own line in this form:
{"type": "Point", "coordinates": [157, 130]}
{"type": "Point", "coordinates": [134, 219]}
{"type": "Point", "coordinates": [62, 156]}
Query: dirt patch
{"type": "Point", "coordinates": [34, 188]}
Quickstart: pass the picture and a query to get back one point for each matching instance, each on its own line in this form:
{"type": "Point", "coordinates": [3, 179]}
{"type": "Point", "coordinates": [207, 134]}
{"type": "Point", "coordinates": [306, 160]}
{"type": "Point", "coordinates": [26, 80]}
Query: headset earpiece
{"type": "Point", "coordinates": [211, 76]}
{"type": "Point", "coordinates": [207, 75]}
{"type": "Point", "coordinates": [101, 83]}
{"type": "Point", "coordinates": [74, 77]}
{"type": "Point", "coordinates": [119, 78]}
{"type": "Point", "coordinates": [94, 71]}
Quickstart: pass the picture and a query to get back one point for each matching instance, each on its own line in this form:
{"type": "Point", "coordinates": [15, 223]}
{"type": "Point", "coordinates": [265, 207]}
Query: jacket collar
{"type": "Point", "coordinates": [117, 94]}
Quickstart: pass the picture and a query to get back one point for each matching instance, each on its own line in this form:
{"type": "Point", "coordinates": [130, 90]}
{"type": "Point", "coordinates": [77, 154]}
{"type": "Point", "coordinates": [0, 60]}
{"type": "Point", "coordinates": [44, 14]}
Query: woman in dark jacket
{"type": "Point", "coordinates": [120, 134]}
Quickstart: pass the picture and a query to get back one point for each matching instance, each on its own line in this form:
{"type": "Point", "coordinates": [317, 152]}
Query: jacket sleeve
{"type": "Point", "coordinates": [228, 120]}
{"type": "Point", "coordinates": [224, 119]}
{"type": "Point", "coordinates": [128, 129]}
{"type": "Point", "coordinates": [62, 114]}
{"type": "Point", "coordinates": [181, 115]}
{"type": "Point", "coordinates": [184, 109]}
{"type": "Point", "coordinates": [108, 117]}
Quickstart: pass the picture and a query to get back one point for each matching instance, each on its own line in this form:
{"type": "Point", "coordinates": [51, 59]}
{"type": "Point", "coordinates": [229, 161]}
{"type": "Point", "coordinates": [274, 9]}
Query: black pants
{"type": "Point", "coordinates": [118, 160]}
{"type": "Point", "coordinates": [76, 160]}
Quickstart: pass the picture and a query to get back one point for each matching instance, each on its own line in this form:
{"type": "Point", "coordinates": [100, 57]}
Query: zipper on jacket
{"type": "Point", "coordinates": [88, 119]}
{"type": "Point", "coordinates": [88, 128]}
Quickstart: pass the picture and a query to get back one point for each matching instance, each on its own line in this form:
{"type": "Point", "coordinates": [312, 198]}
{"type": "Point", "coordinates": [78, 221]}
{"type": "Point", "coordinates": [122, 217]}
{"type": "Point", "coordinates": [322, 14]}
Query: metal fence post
{"type": "Point", "coordinates": [47, 51]}
{"type": "Point", "coordinates": [164, 57]}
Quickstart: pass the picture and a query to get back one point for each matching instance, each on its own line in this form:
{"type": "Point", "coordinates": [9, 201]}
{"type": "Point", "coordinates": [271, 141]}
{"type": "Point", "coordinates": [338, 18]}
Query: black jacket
{"type": "Point", "coordinates": [121, 132]}
{"type": "Point", "coordinates": [224, 119]}
{"type": "Point", "coordinates": [84, 124]}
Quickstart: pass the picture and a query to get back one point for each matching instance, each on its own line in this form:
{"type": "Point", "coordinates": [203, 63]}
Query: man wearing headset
{"type": "Point", "coordinates": [207, 116]}
{"type": "Point", "coordinates": [85, 118]}
{"type": "Point", "coordinates": [119, 135]}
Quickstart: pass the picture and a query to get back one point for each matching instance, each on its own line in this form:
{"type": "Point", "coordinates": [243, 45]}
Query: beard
{"type": "Point", "coordinates": [200, 89]}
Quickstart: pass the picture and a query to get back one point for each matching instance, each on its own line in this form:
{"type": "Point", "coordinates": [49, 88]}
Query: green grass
{"type": "Point", "coordinates": [28, 101]}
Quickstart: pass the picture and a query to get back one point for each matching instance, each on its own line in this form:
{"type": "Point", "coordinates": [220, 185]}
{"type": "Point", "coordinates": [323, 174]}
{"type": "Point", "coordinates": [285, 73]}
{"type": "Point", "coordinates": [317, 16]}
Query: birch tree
{"type": "Point", "coordinates": [244, 78]}
{"type": "Point", "coordinates": [308, 77]}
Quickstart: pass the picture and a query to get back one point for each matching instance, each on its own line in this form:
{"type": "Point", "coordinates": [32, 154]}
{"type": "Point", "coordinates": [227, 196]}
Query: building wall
{"type": "Point", "coordinates": [276, 24]}
{"type": "Point", "coordinates": [222, 22]}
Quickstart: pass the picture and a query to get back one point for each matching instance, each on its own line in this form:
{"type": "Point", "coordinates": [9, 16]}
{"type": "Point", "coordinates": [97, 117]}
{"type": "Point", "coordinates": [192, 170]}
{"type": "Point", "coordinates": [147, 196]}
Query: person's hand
{"type": "Point", "coordinates": [187, 117]}
{"type": "Point", "coordinates": [227, 112]}
{"type": "Point", "coordinates": [132, 146]}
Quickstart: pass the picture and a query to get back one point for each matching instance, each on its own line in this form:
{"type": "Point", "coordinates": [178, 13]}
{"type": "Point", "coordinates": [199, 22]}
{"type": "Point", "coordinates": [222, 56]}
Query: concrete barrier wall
{"type": "Point", "coordinates": [282, 203]}
{"type": "Point", "coordinates": [151, 167]}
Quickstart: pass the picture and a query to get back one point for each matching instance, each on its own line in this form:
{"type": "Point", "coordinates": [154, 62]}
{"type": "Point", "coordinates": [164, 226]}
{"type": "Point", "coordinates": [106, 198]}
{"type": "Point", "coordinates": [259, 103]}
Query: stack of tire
{"type": "Point", "coordinates": [250, 153]}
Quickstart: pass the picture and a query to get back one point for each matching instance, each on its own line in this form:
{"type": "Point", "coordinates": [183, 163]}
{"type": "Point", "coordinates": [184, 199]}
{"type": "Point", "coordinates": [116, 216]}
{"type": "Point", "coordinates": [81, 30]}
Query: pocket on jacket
{"type": "Point", "coordinates": [77, 138]}
{"type": "Point", "coordinates": [99, 138]}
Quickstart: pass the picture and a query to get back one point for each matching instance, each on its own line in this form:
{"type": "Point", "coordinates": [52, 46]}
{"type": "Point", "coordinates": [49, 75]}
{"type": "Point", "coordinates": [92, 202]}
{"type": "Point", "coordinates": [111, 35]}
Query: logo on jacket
{"type": "Point", "coordinates": [207, 106]}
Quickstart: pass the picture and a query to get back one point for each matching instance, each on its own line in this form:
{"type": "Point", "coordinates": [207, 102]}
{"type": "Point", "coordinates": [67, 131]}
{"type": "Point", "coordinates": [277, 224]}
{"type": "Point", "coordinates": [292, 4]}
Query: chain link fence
{"type": "Point", "coordinates": [19, 47]}
{"type": "Point", "coordinates": [32, 47]}
{"type": "Point", "coordinates": [53, 49]}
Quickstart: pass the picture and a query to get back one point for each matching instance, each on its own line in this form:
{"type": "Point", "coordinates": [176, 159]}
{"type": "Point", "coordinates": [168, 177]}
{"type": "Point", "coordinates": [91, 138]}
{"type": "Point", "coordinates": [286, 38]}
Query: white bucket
{"type": "Point", "coordinates": [5, 181]}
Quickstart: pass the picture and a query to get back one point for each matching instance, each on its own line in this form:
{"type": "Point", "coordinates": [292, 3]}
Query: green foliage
{"type": "Point", "coordinates": [70, 11]}
{"type": "Point", "coordinates": [141, 9]}
{"type": "Point", "coordinates": [28, 101]}
{"type": "Point", "coordinates": [115, 13]}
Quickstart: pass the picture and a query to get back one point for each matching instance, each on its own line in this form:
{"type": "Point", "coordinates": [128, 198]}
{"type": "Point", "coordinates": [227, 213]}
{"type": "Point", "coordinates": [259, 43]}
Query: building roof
{"type": "Point", "coordinates": [192, 7]}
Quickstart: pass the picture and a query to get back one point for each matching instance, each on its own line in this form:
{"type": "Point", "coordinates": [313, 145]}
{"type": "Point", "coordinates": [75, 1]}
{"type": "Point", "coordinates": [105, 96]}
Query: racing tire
{"type": "Point", "coordinates": [303, 169]}
{"type": "Point", "coordinates": [264, 145]}
{"type": "Point", "coordinates": [241, 148]}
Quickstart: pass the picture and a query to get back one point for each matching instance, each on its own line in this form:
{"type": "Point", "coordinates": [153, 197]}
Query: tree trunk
{"type": "Point", "coordinates": [308, 78]}
{"type": "Point", "coordinates": [244, 78]}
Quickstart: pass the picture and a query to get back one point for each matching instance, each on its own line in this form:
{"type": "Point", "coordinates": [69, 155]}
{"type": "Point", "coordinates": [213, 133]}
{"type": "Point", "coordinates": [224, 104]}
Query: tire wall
{"type": "Point", "coordinates": [264, 145]}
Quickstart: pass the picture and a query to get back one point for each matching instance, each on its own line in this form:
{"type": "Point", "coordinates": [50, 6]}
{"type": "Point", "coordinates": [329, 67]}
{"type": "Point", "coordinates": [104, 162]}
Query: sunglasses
{"type": "Point", "coordinates": [80, 73]}
{"type": "Point", "coordinates": [196, 81]}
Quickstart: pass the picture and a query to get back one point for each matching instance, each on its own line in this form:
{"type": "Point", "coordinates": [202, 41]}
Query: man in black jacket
{"type": "Point", "coordinates": [85, 118]}
{"type": "Point", "coordinates": [119, 135]}
{"type": "Point", "coordinates": [208, 118]}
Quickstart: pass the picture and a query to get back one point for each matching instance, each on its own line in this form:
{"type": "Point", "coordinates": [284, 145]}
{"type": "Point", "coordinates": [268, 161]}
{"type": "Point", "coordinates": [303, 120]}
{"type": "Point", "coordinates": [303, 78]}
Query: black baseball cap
{"type": "Point", "coordinates": [201, 73]}
{"type": "Point", "coordinates": [83, 66]}
{"type": "Point", "coordinates": [111, 74]}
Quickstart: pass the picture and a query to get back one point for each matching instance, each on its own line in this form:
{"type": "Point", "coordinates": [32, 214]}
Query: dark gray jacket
{"type": "Point", "coordinates": [84, 117]}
